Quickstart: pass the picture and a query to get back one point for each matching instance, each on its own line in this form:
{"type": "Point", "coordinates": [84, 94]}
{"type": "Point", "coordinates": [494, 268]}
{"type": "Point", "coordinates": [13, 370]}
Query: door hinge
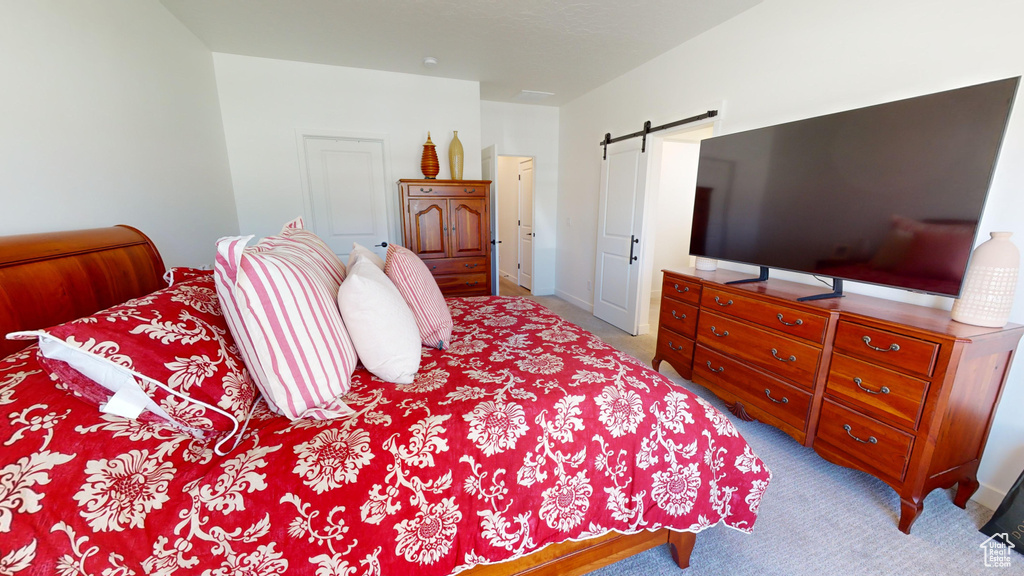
{"type": "Point", "coordinates": [519, 266]}
{"type": "Point", "coordinates": [520, 223]}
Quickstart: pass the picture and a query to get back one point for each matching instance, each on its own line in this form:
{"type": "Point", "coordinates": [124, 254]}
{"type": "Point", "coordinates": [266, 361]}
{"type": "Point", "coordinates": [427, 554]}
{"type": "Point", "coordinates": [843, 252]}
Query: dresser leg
{"type": "Point", "coordinates": [964, 490]}
{"type": "Point", "coordinates": [656, 363]}
{"type": "Point", "coordinates": [909, 510]}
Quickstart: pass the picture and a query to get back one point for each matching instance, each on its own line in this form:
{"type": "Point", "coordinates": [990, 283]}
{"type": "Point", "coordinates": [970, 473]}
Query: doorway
{"type": "Point", "coordinates": [674, 175]}
{"type": "Point", "coordinates": [644, 221]}
{"type": "Point", "coordinates": [514, 191]}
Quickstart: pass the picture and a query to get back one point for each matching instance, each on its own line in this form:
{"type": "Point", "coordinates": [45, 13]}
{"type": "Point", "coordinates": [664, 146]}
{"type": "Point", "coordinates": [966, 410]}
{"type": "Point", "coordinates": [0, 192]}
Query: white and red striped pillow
{"type": "Point", "coordinates": [280, 301]}
{"type": "Point", "coordinates": [419, 289]}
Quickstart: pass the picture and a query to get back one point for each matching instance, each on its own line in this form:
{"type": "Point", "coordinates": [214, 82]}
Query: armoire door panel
{"type": "Point", "coordinates": [429, 227]}
{"type": "Point", "coordinates": [469, 227]}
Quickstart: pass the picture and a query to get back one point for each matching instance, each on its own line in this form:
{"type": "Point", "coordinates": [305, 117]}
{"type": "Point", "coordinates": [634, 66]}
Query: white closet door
{"type": "Point", "coordinates": [620, 219]}
{"type": "Point", "coordinates": [347, 192]}
{"type": "Point", "coordinates": [526, 224]}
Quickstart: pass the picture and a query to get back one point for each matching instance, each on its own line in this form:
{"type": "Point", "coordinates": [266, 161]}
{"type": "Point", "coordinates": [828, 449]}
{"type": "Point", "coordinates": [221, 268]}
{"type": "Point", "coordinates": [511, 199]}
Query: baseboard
{"type": "Point", "coordinates": [575, 301]}
{"type": "Point", "coordinates": [988, 496]}
{"type": "Point", "coordinates": [643, 329]}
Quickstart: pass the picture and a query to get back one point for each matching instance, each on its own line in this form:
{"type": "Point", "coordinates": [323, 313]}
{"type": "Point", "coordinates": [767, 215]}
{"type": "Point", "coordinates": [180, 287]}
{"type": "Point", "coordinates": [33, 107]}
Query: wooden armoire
{"type": "Point", "coordinates": [447, 224]}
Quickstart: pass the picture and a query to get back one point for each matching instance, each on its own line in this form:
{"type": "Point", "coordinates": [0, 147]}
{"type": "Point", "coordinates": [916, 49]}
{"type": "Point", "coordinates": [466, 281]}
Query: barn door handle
{"type": "Point", "coordinates": [633, 241]}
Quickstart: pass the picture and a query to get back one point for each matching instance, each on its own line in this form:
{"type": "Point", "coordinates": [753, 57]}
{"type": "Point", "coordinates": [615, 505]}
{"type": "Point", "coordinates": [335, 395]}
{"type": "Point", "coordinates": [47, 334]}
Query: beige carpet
{"type": "Point", "coordinates": [817, 519]}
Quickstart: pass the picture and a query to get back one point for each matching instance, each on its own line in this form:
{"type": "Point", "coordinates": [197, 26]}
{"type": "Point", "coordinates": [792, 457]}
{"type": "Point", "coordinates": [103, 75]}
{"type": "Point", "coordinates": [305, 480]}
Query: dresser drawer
{"type": "Point", "coordinates": [455, 283]}
{"type": "Point", "coordinates": [799, 322]}
{"type": "Point", "coordinates": [783, 401]}
{"type": "Point", "coordinates": [774, 353]}
{"type": "Point", "coordinates": [677, 350]}
{"type": "Point", "coordinates": [882, 393]}
{"type": "Point", "coordinates": [678, 317]}
{"type": "Point", "coordinates": [680, 289]}
{"type": "Point", "coordinates": [877, 446]}
{"type": "Point", "coordinates": [465, 190]}
{"type": "Point", "coordinates": [441, 266]}
{"type": "Point", "coordinates": [905, 353]}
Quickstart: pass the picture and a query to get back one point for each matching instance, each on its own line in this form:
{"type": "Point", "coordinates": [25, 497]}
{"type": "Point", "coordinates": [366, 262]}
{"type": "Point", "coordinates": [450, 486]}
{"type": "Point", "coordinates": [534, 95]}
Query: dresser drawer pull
{"type": "Point", "coordinates": [894, 347]}
{"type": "Point", "coordinates": [798, 322]}
{"type": "Point", "coordinates": [719, 302]}
{"type": "Point", "coordinates": [775, 353]}
{"type": "Point", "coordinates": [469, 190]}
{"type": "Point", "coordinates": [870, 440]}
{"type": "Point", "coordinates": [679, 349]}
{"type": "Point", "coordinates": [859, 383]}
{"type": "Point", "coordinates": [427, 190]}
{"type": "Point", "coordinates": [720, 368]}
{"type": "Point", "coordinates": [472, 283]}
{"type": "Point", "coordinates": [722, 335]}
{"type": "Point", "coordinates": [768, 393]}
{"type": "Point", "coordinates": [677, 317]}
{"type": "Point", "coordinates": [683, 291]}
{"type": "Point", "coordinates": [471, 265]}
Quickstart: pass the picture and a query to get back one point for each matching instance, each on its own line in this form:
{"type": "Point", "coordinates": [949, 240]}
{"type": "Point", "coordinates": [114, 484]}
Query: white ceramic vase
{"type": "Point", "coordinates": [990, 284]}
{"type": "Point", "coordinates": [706, 264]}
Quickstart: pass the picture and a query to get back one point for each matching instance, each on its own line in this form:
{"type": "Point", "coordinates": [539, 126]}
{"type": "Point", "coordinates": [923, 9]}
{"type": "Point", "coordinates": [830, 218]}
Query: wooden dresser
{"type": "Point", "coordinates": [447, 224]}
{"type": "Point", "coordinates": [899, 391]}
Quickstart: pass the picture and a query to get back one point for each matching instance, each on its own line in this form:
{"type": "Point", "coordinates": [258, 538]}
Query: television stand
{"type": "Point", "coordinates": [837, 292]}
{"type": "Point", "coordinates": [763, 277]}
{"type": "Point", "coordinates": [899, 391]}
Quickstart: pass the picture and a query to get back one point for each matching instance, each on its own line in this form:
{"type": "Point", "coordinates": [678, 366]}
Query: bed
{"type": "Point", "coordinates": [528, 447]}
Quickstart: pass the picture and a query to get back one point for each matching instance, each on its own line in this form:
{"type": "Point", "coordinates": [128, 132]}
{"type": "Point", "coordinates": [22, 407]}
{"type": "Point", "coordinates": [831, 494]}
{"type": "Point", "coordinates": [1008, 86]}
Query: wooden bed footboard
{"type": "Point", "coordinates": [576, 558]}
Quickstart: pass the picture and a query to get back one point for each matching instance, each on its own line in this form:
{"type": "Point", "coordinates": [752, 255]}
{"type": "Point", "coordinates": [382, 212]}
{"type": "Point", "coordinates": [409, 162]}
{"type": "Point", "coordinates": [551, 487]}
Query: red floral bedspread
{"type": "Point", "coordinates": [526, 432]}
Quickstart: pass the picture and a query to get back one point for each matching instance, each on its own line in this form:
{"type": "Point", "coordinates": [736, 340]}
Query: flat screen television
{"type": "Point", "coordinates": [888, 194]}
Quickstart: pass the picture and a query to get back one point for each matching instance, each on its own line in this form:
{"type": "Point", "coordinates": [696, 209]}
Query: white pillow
{"type": "Point", "coordinates": [382, 327]}
{"type": "Point", "coordinates": [360, 250]}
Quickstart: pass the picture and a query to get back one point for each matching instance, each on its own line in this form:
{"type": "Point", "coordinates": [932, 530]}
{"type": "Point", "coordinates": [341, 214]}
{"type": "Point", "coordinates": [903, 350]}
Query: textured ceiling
{"type": "Point", "coordinates": [565, 47]}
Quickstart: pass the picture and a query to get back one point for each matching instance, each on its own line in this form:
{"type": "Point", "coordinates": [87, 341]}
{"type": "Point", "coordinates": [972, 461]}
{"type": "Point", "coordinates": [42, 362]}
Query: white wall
{"type": "Point", "coordinates": [789, 59]}
{"type": "Point", "coordinates": [109, 115]}
{"type": "Point", "coordinates": [265, 101]}
{"type": "Point", "coordinates": [524, 130]}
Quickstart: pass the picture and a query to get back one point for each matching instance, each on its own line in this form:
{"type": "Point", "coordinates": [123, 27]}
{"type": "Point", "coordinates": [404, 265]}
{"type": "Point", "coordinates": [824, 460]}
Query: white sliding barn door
{"type": "Point", "coordinates": [620, 219]}
{"type": "Point", "coordinates": [347, 192]}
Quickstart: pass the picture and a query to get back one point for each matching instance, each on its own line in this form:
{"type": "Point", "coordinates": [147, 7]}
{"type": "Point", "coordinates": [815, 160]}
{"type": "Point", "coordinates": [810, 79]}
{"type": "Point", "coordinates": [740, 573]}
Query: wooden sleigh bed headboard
{"type": "Point", "coordinates": [49, 278]}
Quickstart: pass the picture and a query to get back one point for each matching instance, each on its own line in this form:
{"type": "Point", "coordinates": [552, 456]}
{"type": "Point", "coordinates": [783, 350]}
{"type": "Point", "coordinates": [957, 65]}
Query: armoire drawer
{"type": "Point", "coordinates": [879, 448]}
{"type": "Point", "coordinates": [798, 322]}
{"type": "Point", "coordinates": [426, 190]}
{"type": "Point", "coordinates": [453, 283]}
{"type": "Point", "coordinates": [783, 401]}
{"type": "Point", "coordinates": [772, 352]}
{"type": "Point", "coordinates": [441, 266]}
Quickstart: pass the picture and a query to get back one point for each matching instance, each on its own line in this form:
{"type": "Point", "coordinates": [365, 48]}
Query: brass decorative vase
{"type": "Point", "coordinates": [455, 157]}
{"type": "Point", "coordinates": [429, 164]}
